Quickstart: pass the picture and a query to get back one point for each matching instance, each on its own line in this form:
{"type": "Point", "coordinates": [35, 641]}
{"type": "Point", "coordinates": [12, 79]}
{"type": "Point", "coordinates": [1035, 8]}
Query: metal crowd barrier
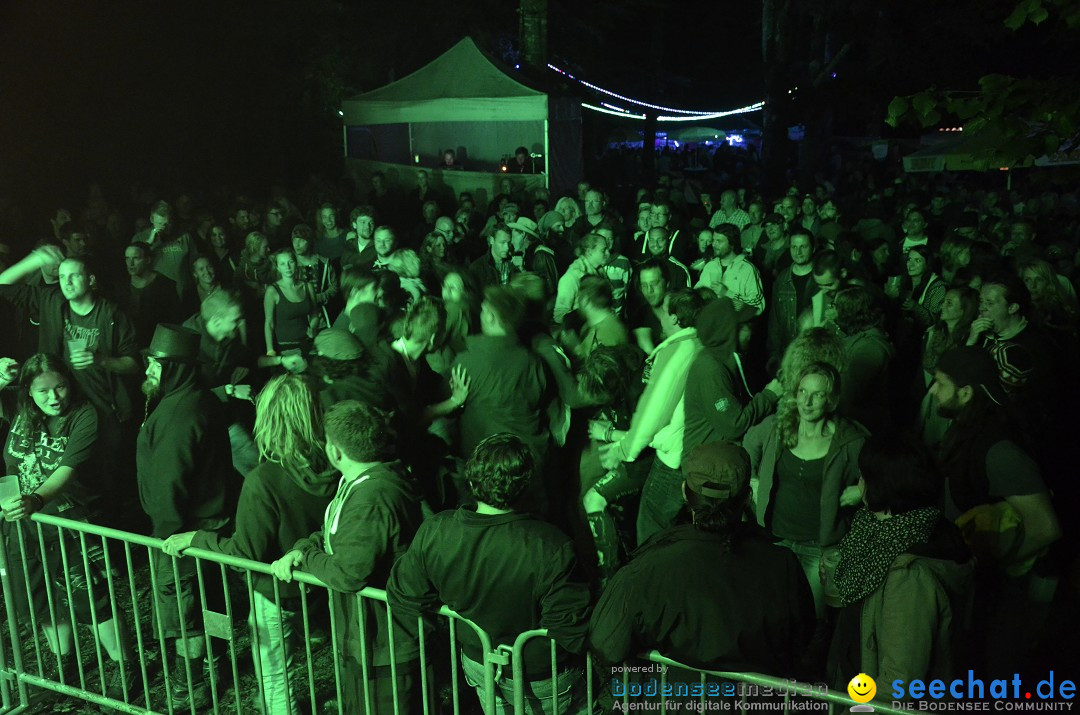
{"type": "Point", "coordinates": [28, 669]}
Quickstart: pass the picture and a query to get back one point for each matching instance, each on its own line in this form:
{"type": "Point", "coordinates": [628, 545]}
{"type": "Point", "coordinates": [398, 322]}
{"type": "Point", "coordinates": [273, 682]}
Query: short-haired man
{"type": "Point", "coordinates": [504, 570]}
{"type": "Point", "coordinates": [509, 386]}
{"type": "Point", "coordinates": [384, 242]}
{"type": "Point", "coordinates": [792, 295]}
{"type": "Point", "coordinates": [715, 593]}
{"type": "Point", "coordinates": [495, 268]}
{"type": "Point", "coordinates": [368, 526]}
{"type": "Point", "coordinates": [729, 212]}
{"type": "Point", "coordinates": [983, 467]}
{"type": "Point", "coordinates": [657, 242]}
{"type": "Point", "coordinates": [92, 334]}
{"type": "Point", "coordinates": [359, 241]}
{"type": "Point", "coordinates": [595, 215]}
{"type": "Point", "coordinates": [148, 297]}
{"type": "Point", "coordinates": [652, 322]}
{"type": "Point", "coordinates": [729, 274]}
{"type": "Point", "coordinates": [173, 254]}
{"type": "Point", "coordinates": [658, 416]}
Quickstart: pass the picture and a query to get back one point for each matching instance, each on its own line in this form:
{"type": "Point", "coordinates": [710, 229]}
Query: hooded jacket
{"type": "Point", "coordinates": [183, 456]}
{"type": "Point", "coordinates": [908, 627]}
{"type": "Point", "coordinates": [278, 506]}
{"type": "Point", "coordinates": [367, 526]}
{"type": "Point", "coordinates": [659, 417]}
{"type": "Point", "coordinates": [717, 403]}
{"type": "Point", "coordinates": [762, 442]}
{"type": "Point", "coordinates": [864, 389]}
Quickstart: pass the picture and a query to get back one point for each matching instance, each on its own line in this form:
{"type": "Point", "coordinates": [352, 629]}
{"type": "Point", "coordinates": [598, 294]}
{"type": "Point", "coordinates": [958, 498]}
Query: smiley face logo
{"type": "Point", "coordinates": [862, 688]}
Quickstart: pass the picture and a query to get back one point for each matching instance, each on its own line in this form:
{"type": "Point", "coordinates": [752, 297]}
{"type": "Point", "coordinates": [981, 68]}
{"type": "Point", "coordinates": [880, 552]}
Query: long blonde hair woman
{"type": "Point", "coordinates": [282, 501]}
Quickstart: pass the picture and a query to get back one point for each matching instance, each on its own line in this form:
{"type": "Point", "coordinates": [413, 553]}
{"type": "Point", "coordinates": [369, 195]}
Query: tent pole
{"type": "Point", "coordinates": [547, 157]}
{"type": "Point", "coordinates": [412, 157]}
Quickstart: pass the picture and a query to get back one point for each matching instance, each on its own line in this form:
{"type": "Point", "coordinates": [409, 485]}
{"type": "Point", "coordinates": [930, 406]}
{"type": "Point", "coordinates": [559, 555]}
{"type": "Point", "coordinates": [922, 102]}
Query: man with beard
{"type": "Point", "coordinates": [96, 339]}
{"type": "Point", "coordinates": [186, 483]}
{"type": "Point", "coordinates": [989, 478]}
{"type": "Point", "coordinates": [729, 274]}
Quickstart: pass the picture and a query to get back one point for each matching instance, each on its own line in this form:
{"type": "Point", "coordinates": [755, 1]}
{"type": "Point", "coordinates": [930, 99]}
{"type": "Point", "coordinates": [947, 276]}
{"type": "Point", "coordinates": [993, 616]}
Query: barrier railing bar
{"type": "Point", "coordinates": [554, 681]}
{"type": "Point", "coordinates": [393, 658]}
{"type": "Point", "coordinates": [183, 636]}
{"type": "Point", "coordinates": [73, 623]}
{"type": "Point", "coordinates": [424, 685]}
{"type": "Point", "coordinates": [454, 677]}
{"type": "Point", "coordinates": [255, 649]}
{"type": "Point", "coordinates": [83, 694]}
{"type": "Point", "coordinates": [334, 651]}
{"type": "Point", "coordinates": [232, 644]}
{"type": "Point", "coordinates": [161, 635]}
{"type": "Point", "coordinates": [13, 633]}
{"type": "Point", "coordinates": [136, 615]}
{"type": "Point", "coordinates": [208, 645]}
{"type": "Point", "coordinates": [49, 600]}
{"type": "Point", "coordinates": [284, 647]}
{"type": "Point", "coordinates": [364, 665]}
{"type": "Point", "coordinates": [121, 631]}
{"type": "Point", "coordinates": [93, 612]}
{"type": "Point", "coordinates": [307, 648]}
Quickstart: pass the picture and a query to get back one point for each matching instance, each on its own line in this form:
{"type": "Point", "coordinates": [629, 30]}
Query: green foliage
{"type": "Point", "coordinates": [1025, 117]}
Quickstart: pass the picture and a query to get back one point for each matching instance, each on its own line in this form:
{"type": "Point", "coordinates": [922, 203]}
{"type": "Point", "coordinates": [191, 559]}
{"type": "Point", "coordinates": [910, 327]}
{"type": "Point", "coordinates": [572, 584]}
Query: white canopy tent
{"type": "Point", "coordinates": [466, 101]}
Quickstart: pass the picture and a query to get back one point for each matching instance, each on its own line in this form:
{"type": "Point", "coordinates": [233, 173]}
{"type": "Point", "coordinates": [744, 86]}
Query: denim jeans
{"type": "Point", "coordinates": [661, 500]}
{"type": "Point", "coordinates": [809, 556]}
{"type": "Point", "coordinates": [537, 695]}
{"type": "Point", "coordinates": [273, 628]}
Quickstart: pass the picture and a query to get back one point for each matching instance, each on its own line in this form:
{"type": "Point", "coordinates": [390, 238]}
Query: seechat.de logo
{"type": "Point", "coordinates": [862, 689]}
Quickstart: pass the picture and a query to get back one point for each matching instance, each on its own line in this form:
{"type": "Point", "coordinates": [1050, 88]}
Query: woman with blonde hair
{"type": "Point", "coordinates": [805, 468]}
{"type": "Point", "coordinates": [290, 309]}
{"type": "Point", "coordinates": [1052, 298]}
{"type": "Point", "coordinates": [282, 501]}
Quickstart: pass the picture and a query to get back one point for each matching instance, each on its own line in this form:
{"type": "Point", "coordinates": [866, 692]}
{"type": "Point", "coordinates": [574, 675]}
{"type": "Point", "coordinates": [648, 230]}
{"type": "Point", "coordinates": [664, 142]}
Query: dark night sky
{"type": "Point", "coordinates": [176, 93]}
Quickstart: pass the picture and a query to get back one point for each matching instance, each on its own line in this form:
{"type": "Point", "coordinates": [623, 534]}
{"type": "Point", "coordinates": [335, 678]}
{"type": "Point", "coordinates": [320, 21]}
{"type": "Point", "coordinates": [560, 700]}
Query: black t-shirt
{"type": "Point", "coordinates": [95, 382]}
{"type": "Point", "coordinates": [68, 441]}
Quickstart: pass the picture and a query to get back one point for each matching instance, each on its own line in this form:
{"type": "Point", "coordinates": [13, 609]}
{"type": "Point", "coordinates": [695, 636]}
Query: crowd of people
{"type": "Point", "coordinates": [810, 435]}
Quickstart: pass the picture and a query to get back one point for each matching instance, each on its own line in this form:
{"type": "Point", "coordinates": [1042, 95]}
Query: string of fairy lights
{"type": "Point", "coordinates": [673, 114]}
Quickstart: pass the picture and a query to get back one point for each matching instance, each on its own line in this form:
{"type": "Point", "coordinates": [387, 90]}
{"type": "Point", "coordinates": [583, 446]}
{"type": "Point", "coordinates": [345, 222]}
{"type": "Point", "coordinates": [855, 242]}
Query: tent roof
{"type": "Point", "coordinates": [461, 85]}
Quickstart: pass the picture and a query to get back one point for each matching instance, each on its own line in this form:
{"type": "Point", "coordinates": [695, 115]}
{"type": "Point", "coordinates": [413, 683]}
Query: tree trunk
{"type": "Point", "coordinates": [534, 24]}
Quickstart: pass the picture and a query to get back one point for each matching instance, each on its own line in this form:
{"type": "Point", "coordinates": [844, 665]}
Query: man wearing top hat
{"type": "Point", "coordinates": [186, 478]}
{"type": "Point", "coordinates": [715, 593]}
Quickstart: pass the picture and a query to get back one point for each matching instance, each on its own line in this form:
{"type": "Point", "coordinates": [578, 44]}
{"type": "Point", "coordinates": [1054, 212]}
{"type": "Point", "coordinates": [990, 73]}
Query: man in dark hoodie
{"type": "Point", "coordinates": [868, 354]}
{"type": "Point", "coordinates": [367, 527]}
{"type": "Point", "coordinates": [186, 480]}
{"type": "Point", "coordinates": [717, 403]}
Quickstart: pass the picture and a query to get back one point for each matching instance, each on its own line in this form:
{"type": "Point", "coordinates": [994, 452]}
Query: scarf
{"type": "Point", "coordinates": [871, 546]}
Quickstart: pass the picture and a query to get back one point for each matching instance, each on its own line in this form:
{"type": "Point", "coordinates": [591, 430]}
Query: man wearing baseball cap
{"type": "Point", "coordinates": [715, 593]}
{"type": "Point", "coordinates": [983, 468]}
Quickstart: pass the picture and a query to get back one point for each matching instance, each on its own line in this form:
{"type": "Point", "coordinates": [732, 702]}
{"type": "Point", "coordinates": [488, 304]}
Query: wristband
{"type": "Point", "coordinates": [37, 498]}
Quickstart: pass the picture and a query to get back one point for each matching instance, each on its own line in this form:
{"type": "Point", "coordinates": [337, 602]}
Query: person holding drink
{"type": "Point", "coordinates": [97, 341]}
{"type": "Point", "coordinates": [48, 453]}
